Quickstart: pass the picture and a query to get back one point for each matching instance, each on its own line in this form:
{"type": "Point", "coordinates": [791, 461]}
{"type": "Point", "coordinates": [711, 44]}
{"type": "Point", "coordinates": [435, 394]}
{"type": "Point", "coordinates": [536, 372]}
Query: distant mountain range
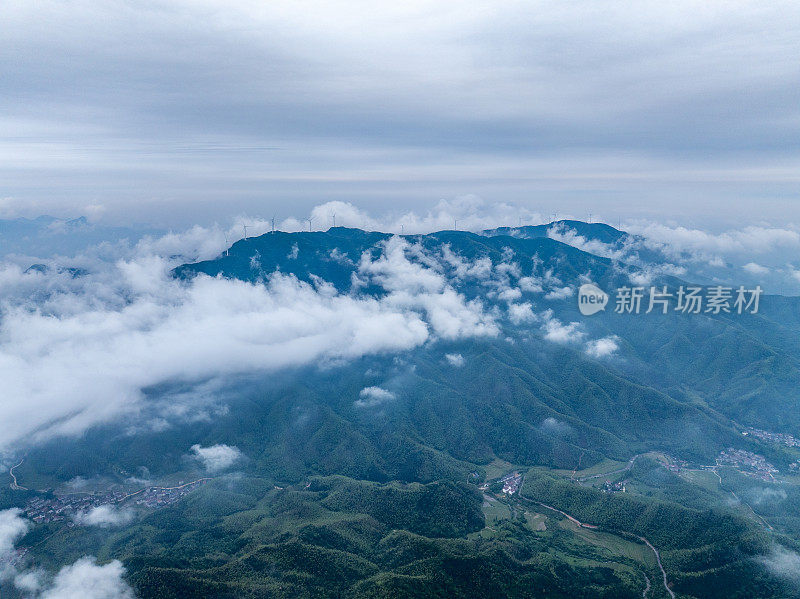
{"type": "Point", "coordinates": [46, 236]}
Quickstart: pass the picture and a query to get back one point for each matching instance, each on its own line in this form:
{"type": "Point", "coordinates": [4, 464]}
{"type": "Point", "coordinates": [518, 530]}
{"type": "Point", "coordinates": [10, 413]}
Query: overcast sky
{"type": "Point", "coordinates": [193, 111]}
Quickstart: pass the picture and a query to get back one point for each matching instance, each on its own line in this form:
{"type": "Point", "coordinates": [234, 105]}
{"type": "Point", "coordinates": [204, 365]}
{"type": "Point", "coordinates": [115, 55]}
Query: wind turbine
{"type": "Point", "coordinates": [226, 244]}
{"type": "Point", "coordinates": [309, 219]}
{"type": "Point", "coordinates": [245, 231]}
{"type": "Point", "coordinates": [334, 219]}
{"type": "Point", "coordinates": [273, 224]}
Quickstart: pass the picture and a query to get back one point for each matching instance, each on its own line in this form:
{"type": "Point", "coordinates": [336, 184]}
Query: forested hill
{"type": "Point", "coordinates": [745, 367]}
{"type": "Point", "coordinates": [334, 255]}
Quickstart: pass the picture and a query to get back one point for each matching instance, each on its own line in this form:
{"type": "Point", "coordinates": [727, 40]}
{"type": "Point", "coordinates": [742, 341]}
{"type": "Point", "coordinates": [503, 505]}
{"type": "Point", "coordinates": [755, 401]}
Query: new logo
{"type": "Point", "coordinates": [591, 299]}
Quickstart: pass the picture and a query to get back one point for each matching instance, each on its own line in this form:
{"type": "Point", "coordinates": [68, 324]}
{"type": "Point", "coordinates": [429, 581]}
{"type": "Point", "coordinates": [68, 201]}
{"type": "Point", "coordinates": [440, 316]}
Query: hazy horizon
{"type": "Point", "coordinates": [182, 113]}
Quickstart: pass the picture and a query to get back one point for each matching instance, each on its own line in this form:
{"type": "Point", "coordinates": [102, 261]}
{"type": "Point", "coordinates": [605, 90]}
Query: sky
{"type": "Point", "coordinates": [184, 112]}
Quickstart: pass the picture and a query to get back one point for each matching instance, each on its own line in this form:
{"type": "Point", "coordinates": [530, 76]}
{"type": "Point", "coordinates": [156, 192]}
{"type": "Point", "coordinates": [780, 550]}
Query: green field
{"type": "Point", "coordinates": [605, 465]}
{"type": "Point", "coordinates": [497, 468]}
{"type": "Point", "coordinates": [537, 522]}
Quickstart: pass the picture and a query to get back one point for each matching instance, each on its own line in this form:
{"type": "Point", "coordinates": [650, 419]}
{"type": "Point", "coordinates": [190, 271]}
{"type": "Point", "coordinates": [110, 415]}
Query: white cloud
{"type": "Point", "coordinates": [761, 495]}
{"type": "Point", "coordinates": [558, 332]}
{"type": "Point", "coordinates": [644, 276]}
{"type": "Point", "coordinates": [783, 562]}
{"type": "Point", "coordinates": [419, 285]}
{"type": "Point", "coordinates": [105, 516]}
{"type": "Point", "coordinates": [461, 268]}
{"type": "Point", "coordinates": [755, 269]}
{"type": "Point", "coordinates": [12, 527]}
{"type": "Point", "coordinates": [509, 294]}
{"type": "Point", "coordinates": [559, 293]}
{"type": "Point", "coordinates": [83, 579]}
{"type": "Point", "coordinates": [396, 273]}
{"type": "Point", "coordinates": [456, 360]}
{"type": "Point", "coordinates": [88, 580]}
{"type": "Point", "coordinates": [640, 278]}
{"type": "Point", "coordinates": [748, 240]}
{"type": "Point", "coordinates": [84, 350]}
{"type": "Point", "coordinates": [373, 396]}
{"type": "Point", "coordinates": [564, 234]}
{"type": "Point", "coordinates": [338, 256]}
{"type": "Point", "coordinates": [601, 348]}
{"type": "Point", "coordinates": [196, 243]}
{"type": "Point", "coordinates": [530, 284]}
{"type": "Point", "coordinates": [469, 213]}
{"type": "Point", "coordinates": [555, 427]}
{"type": "Point", "coordinates": [521, 313]}
{"type": "Point", "coordinates": [29, 582]}
{"type": "Point", "coordinates": [497, 279]}
{"type": "Point", "coordinates": [217, 457]}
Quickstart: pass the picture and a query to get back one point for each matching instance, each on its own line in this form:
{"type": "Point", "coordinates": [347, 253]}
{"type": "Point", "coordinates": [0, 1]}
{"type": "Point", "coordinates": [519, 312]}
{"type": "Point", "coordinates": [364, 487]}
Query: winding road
{"type": "Point", "coordinates": [574, 520]}
{"type": "Point", "coordinates": [14, 483]}
{"type": "Point", "coordinates": [660, 567]}
{"type": "Point", "coordinates": [646, 588]}
{"type": "Point", "coordinates": [739, 500]}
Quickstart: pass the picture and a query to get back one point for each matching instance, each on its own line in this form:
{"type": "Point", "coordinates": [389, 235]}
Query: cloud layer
{"type": "Point", "coordinates": [370, 397]}
{"type": "Point", "coordinates": [105, 516]}
{"type": "Point", "coordinates": [84, 578]}
{"type": "Point", "coordinates": [124, 113]}
{"type": "Point", "coordinates": [75, 351]}
{"type": "Point", "coordinates": [217, 457]}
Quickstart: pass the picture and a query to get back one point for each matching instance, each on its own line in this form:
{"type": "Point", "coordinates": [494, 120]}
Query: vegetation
{"type": "Point", "coordinates": [338, 500]}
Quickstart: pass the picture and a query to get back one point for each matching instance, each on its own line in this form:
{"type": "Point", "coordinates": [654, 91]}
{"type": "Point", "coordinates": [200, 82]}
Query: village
{"type": "Point", "coordinates": [770, 437]}
{"type": "Point", "coordinates": [65, 507]}
{"type": "Point", "coordinates": [748, 463]}
{"type": "Point", "coordinates": [511, 483]}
